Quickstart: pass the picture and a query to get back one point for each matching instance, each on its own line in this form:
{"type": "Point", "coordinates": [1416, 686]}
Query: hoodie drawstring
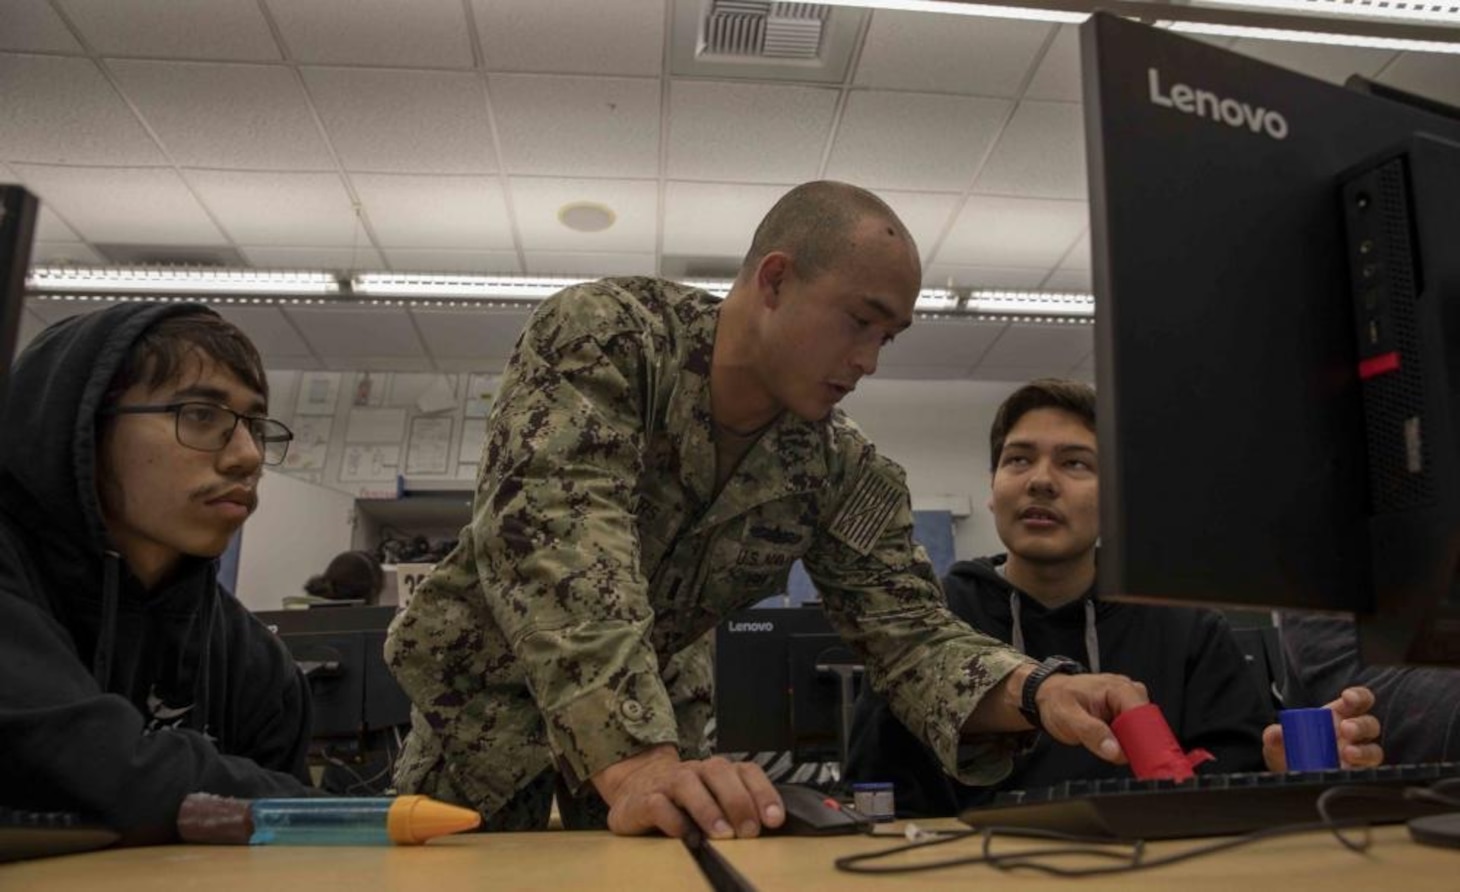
{"type": "Point", "coordinates": [1092, 640]}
{"type": "Point", "coordinates": [198, 718]}
{"type": "Point", "coordinates": [106, 636]}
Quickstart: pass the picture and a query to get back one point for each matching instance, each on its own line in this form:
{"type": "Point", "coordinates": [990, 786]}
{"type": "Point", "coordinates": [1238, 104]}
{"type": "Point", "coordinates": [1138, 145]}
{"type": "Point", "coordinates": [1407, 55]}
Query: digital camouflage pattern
{"type": "Point", "coordinates": [570, 628]}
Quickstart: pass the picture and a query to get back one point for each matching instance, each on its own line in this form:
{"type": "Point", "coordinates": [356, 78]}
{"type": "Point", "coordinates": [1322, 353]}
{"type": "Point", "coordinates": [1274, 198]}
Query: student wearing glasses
{"type": "Point", "coordinates": [131, 445]}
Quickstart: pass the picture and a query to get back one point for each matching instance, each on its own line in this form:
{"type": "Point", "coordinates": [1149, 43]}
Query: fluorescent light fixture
{"type": "Point", "coordinates": [1380, 24]}
{"type": "Point", "coordinates": [717, 287]}
{"type": "Point", "coordinates": [953, 7]}
{"type": "Point", "coordinates": [1447, 13]}
{"type": "Point", "coordinates": [1030, 303]}
{"type": "Point", "coordinates": [164, 280]}
{"type": "Point", "coordinates": [936, 300]}
{"type": "Point", "coordinates": [428, 285]}
{"type": "Point", "coordinates": [1319, 37]}
{"type": "Point", "coordinates": [445, 291]}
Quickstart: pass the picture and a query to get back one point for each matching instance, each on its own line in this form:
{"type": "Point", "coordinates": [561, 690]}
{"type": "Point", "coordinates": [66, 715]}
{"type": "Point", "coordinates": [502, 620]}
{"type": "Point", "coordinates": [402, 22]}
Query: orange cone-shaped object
{"type": "Point", "coordinates": [414, 819]}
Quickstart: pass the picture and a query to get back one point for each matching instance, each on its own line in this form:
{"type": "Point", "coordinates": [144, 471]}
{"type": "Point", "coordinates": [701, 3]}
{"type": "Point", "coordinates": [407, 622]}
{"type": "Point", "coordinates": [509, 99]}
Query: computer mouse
{"type": "Point", "coordinates": [812, 813]}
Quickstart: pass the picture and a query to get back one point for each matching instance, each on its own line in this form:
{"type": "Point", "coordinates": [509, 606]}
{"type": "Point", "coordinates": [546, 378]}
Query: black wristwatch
{"type": "Point", "coordinates": [1044, 670]}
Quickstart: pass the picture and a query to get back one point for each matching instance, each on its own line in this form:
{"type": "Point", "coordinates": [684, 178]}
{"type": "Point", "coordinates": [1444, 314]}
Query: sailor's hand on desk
{"type": "Point", "coordinates": [1358, 733]}
{"type": "Point", "coordinates": [1078, 709]}
{"type": "Point", "coordinates": [654, 790]}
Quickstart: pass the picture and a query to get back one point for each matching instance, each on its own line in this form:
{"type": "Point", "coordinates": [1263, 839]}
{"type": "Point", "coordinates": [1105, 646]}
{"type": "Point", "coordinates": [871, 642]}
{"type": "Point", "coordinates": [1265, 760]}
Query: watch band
{"type": "Point", "coordinates": [1027, 706]}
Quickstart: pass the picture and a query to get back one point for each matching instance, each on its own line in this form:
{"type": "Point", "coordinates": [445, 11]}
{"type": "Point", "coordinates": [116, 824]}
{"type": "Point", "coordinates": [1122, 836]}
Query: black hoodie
{"type": "Point", "coordinates": [1187, 658]}
{"type": "Point", "coordinates": [116, 702]}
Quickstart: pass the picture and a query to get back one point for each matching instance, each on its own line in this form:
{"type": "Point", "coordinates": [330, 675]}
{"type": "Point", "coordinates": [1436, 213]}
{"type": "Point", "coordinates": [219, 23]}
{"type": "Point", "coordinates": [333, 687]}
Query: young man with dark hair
{"type": "Point", "coordinates": [133, 440]}
{"type": "Point", "coordinates": [655, 460]}
{"type": "Point", "coordinates": [1040, 597]}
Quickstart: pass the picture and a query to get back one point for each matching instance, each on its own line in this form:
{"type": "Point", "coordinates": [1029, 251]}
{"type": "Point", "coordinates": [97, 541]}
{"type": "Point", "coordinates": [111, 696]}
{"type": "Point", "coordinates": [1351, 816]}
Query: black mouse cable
{"type": "Point", "coordinates": [719, 873]}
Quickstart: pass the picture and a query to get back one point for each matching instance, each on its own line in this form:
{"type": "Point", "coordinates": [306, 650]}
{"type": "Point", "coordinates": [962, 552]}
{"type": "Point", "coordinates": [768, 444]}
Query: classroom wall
{"type": "Point", "coordinates": [354, 441]}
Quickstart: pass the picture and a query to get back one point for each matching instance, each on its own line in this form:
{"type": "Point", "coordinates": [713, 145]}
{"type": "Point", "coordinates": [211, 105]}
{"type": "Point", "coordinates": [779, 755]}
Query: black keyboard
{"type": "Point", "coordinates": [1213, 804]}
{"type": "Point", "coordinates": [37, 834]}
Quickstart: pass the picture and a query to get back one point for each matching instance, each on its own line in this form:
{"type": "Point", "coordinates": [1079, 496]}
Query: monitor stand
{"type": "Point", "coordinates": [1436, 830]}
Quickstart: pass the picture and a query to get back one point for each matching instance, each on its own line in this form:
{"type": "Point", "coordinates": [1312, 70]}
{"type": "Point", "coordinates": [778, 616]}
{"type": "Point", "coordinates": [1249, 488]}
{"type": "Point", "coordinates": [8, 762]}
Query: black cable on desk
{"type": "Point", "coordinates": [719, 873]}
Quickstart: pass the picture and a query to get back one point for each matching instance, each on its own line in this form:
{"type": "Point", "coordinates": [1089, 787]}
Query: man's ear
{"type": "Point", "coordinates": [990, 503]}
{"type": "Point", "coordinates": [770, 275]}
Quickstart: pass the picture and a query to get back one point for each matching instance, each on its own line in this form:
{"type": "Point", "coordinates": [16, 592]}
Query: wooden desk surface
{"type": "Point", "coordinates": [1289, 864]}
{"type": "Point", "coordinates": [481, 862]}
{"type": "Point", "coordinates": [562, 861]}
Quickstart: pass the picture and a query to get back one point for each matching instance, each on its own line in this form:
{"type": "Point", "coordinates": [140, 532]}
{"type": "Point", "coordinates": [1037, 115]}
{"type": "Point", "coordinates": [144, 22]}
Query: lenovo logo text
{"type": "Point", "coordinates": [752, 627]}
{"type": "Point", "coordinates": [1206, 104]}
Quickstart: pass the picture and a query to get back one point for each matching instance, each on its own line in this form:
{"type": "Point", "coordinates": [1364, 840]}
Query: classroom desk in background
{"type": "Point", "coordinates": [562, 861]}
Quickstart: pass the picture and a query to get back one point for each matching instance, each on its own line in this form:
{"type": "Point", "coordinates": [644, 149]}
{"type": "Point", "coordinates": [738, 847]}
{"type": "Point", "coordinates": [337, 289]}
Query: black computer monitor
{"type": "Point", "coordinates": [784, 682]}
{"type": "Point", "coordinates": [342, 653]}
{"type": "Point", "coordinates": [1277, 285]}
{"type": "Point", "coordinates": [18, 210]}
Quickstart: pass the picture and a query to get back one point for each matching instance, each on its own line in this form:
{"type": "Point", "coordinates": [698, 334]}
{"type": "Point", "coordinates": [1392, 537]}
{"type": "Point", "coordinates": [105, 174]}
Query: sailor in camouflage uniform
{"type": "Point", "coordinates": [625, 506]}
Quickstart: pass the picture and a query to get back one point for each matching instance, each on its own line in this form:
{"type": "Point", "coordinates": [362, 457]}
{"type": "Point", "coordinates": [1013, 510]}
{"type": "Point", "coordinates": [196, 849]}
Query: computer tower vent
{"type": "Point", "coordinates": [1387, 294]}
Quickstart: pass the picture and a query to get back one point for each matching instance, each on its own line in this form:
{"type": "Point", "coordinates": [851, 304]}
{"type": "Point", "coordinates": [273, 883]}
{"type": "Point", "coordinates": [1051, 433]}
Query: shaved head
{"type": "Point", "coordinates": [816, 224]}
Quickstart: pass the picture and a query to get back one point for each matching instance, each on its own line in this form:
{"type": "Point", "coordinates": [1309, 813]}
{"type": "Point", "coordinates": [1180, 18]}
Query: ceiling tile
{"type": "Point", "coordinates": [949, 53]}
{"type": "Point", "coordinates": [1014, 232]}
{"type": "Point", "coordinates": [1041, 154]}
{"type": "Point", "coordinates": [925, 214]}
{"type": "Point", "coordinates": [137, 206]}
{"type": "Point", "coordinates": [419, 362]}
{"type": "Point", "coordinates": [355, 258]}
{"type": "Point", "coordinates": [922, 372]}
{"type": "Point", "coordinates": [30, 326]}
{"type": "Point", "coordinates": [597, 266]}
{"type": "Point", "coordinates": [421, 260]}
{"type": "Point", "coordinates": [64, 254]}
{"type": "Point", "coordinates": [635, 205]}
{"type": "Point", "coordinates": [1040, 347]}
{"type": "Point", "coordinates": [32, 26]}
{"type": "Point", "coordinates": [1019, 374]}
{"type": "Point", "coordinates": [279, 208]}
{"type": "Point", "coordinates": [751, 132]}
{"type": "Point", "coordinates": [1435, 75]}
{"type": "Point", "coordinates": [714, 219]}
{"type": "Point", "coordinates": [928, 343]}
{"type": "Point", "coordinates": [50, 312]}
{"type": "Point", "coordinates": [252, 117]}
{"type": "Point", "coordinates": [409, 33]}
{"type": "Point", "coordinates": [435, 211]}
{"type": "Point", "coordinates": [577, 126]}
{"type": "Point", "coordinates": [483, 335]}
{"type": "Point", "coordinates": [1069, 280]}
{"type": "Point", "coordinates": [1079, 254]}
{"type": "Point", "coordinates": [1058, 76]}
{"type": "Point", "coordinates": [914, 140]}
{"type": "Point", "coordinates": [267, 327]}
{"type": "Point", "coordinates": [175, 29]}
{"type": "Point", "coordinates": [622, 37]}
{"type": "Point", "coordinates": [944, 275]}
{"type": "Point", "coordinates": [1329, 63]}
{"type": "Point", "coordinates": [404, 121]}
{"type": "Point", "coordinates": [356, 332]}
{"type": "Point", "coordinates": [63, 111]}
{"type": "Point", "coordinates": [51, 228]}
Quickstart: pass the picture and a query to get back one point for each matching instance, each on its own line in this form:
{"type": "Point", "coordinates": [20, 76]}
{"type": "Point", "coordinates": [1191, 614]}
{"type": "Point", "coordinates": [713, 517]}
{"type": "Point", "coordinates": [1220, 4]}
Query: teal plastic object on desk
{"type": "Point", "coordinates": [396, 820]}
{"type": "Point", "coordinates": [321, 822]}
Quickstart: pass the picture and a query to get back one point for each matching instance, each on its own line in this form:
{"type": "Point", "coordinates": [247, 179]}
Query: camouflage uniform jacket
{"type": "Point", "coordinates": [598, 551]}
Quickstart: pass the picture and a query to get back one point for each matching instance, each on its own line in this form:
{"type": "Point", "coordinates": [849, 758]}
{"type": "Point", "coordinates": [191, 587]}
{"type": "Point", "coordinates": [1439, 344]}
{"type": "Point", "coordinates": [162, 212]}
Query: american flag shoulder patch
{"type": "Point", "coordinates": [867, 511]}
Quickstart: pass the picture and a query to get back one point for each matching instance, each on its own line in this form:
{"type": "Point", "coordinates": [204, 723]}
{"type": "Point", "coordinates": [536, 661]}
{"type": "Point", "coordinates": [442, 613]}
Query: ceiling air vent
{"type": "Point", "coordinates": [764, 41]}
{"type": "Point", "coordinates": [763, 29]}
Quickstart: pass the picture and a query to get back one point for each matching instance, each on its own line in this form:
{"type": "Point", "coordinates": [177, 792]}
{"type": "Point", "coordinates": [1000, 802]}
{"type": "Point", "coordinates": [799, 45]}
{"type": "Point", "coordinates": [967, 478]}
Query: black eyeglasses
{"type": "Point", "coordinates": [209, 427]}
